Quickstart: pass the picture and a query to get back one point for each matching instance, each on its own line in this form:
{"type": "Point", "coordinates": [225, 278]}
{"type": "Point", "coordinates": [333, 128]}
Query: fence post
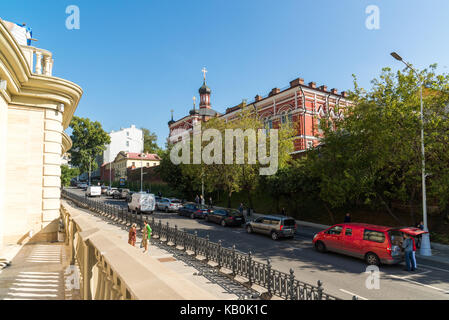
{"type": "Point", "coordinates": [194, 243]}
{"type": "Point", "coordinates": [176, 236]}
{"type": "Point", "coordinates": [167, 234]}
{"type": "Point", "coordinates": [160, 231]}
{"type": "Point", "coordinates": [320, 290]}
{"type": "Point", "coordinates": [269, 276]}
{"type": "Point", "coordinates": [233, 260]}
{"type": "Point", "coordinates": [219, 254]}
{"type": "Point", "coordinates": [207, 247]}
{"type": "Point", "coordinates": [291, 283]}
{"type": "Point", "coordinates": [250, 268]}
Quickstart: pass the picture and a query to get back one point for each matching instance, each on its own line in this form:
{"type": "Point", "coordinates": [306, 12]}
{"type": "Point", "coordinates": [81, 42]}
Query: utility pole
{"type": "Point", "coordinates": [425, 249]}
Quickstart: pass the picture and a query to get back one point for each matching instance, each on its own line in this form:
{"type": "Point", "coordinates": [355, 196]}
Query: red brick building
{"type": "Point", "coordinates": [304, 105]}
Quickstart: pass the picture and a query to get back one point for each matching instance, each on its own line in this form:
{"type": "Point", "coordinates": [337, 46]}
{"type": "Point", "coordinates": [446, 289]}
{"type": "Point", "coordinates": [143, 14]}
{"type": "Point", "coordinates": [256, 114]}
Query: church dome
{"type": "Point", "coordinates": [204, 89]}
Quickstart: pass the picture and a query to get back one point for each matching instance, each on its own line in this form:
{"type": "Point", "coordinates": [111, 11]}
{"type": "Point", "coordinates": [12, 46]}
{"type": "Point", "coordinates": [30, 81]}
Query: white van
{"type": "Point", "coordinates": [93, 191]}
{"type": "Point", "coordinates": [142, 202]}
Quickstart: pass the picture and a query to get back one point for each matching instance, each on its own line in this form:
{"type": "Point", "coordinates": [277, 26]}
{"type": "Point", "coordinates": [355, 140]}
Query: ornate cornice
{"type": "Point", "coordinates": [28, 89]}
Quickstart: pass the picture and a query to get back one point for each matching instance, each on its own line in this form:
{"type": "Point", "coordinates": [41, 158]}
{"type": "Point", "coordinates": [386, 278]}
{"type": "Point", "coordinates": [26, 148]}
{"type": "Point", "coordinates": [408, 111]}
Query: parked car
{"type": "Point", "coordinates": [142, 202]}
{"type": "Point", "coordinates": [104, 189]}
{"type": "Point", "coordinates": [275, 226]}
{"type": "Point", "coordinates": [194, 210]}
{"type": "Point", "coordinates": [93, 191]}
{"type": "Point", "coordinates": [110, 191]}
{"type": "Point", "coordinates": [375, 244]}
{"type": "Point", "coordinates": [84, 186]}
{"type": "Point", "coordinates": [166, 204]}
{"type": "Point", "coordinates": [226, 217]}
{"type": "Point", "coordinates": [120, 193]}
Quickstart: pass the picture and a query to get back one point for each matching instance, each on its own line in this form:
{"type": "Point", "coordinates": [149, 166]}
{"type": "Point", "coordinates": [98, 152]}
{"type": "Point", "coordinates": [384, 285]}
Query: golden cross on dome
{"type": "Point", "coordinates": [204, 71]}
{"type": "Point", "coordinates": [194, 99]}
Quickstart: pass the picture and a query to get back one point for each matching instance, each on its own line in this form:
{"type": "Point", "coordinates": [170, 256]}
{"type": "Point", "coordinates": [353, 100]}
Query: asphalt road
{"type": "Point", "coordinates": [342, 276]}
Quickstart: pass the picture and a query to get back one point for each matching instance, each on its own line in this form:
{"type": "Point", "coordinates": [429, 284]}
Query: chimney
{"type": "Point", "coordinates": [323, 88]}
{"type": "Point", "coordinates": [312, 85]}
{"type": "Point", "coordinates": [344, 94]}
{"type": "Point", "coordinates": [334, 91]}
{"type": "Point", "coordinates": [296, 82]}
{"type": "Point", "coordinates": [274, 91]}
{"type": "Point", "coordinates": [257, 98]}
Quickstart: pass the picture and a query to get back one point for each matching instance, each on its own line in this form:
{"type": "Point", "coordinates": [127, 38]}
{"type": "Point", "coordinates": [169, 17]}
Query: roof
{"type": "Point", "coordinates": [138, 156]}
{"type": "Point", "coordinates": [369, 226]}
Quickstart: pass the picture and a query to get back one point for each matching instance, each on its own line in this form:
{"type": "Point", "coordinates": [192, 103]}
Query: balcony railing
{"type": "Point", "coordinates": [39, 60]}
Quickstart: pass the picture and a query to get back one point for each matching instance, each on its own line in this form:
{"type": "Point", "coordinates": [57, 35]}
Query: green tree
{"type": "Point", "coordinates": [375, 154]}
{"type": "Point", "coordinates": [150, 142]}
{"type": "Point", "coordinates": [89, 140]}
{"type": "Point", "coordinates": [68, 174]}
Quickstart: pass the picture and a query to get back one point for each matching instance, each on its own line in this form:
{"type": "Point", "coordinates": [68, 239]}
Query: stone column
{"type": "Point", "coordinates": [52, 172]}
{"type": "Point", "coordinates": [38, 67]}
{"type": "Point", "coordinates": [3, 140]}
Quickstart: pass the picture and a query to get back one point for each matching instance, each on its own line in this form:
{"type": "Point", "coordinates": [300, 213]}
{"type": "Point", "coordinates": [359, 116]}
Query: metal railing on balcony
{"type": "Point", "coordinates": [238, 263]}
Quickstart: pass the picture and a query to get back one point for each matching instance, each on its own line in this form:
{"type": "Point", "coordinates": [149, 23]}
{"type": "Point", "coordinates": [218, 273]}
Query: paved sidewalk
{"type": "Point", "coordinates": [222, 291]}
{"type": "Point", "coordinates": [37, 272]}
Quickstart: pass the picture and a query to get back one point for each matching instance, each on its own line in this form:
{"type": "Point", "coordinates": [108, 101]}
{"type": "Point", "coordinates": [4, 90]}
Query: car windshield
{"type": "Point", "coordinates": [289, 222]}
{"type": "Point", "coordinates": [234, 213]}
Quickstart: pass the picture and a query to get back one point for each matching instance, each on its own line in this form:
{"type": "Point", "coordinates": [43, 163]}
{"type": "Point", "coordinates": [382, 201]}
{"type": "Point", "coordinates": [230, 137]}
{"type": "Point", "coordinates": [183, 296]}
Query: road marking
{"type": "Point", "coordinates": [421, 284]}
{"type": "Point", "coordinates": [415, 274]}
{"type": "Point", "coordinates": [435, 268]}
{"type": "Point", "coordinates": [353, 294]}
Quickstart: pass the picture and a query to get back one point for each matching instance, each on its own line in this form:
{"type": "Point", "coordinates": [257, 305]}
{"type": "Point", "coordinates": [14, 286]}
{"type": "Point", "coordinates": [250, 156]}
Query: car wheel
{"type": "Point", "coordinates": [192, 216]}
{"type": "Point", "coordinates": [274, 235]}
{"type": "Point", "coordinates": [372, 259]}
{"type": "Point", "coordinates": [320, 247]}
{"type": "Point", "coordinates": [249, 229]}
{"type": "Point", "coordinates": [129, 210]}
{"type": "Point", "coordinates": [223, 223]}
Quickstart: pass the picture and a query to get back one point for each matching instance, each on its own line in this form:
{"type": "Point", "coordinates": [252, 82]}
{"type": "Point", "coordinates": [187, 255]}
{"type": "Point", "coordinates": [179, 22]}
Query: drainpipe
{"type": "Point", "coordinates": [304, 116]}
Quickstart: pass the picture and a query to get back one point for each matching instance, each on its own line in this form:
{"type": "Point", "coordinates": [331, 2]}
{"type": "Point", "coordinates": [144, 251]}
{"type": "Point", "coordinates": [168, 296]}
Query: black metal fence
{"type": "Point", "coordinates": [239, 264]}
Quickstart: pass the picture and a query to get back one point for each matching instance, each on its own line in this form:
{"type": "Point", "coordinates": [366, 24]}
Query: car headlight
{"type": "Point", "coordinates": [315, 236]}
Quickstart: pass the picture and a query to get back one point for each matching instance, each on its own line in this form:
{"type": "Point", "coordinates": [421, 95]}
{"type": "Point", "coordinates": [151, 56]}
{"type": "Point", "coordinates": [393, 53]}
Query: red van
{"type": "Point", "coordinates": [374, 244]}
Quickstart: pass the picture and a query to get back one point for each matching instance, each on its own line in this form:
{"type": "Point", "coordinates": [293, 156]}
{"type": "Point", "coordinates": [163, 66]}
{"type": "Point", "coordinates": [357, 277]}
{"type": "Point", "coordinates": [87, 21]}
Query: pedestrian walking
{"type": "Point", "coordinates": [283, 212]}
{"type": "Point", "coordinates": [146, 236]}
{"type": "Point", "coordinates": [197, 199]}
{"type": "Point", "coordinates": [414, 266]}
{"type": "Point", "coordinates": [210, 202]}
{"type": "Point", "coordinates": [241, 208]}
{"type": "Point", "coordinates": [347, 218]}
{"type": "Point", "coordinates": [420, 225]}
{"type": "Point", "coordinates": [407, 245]}
{"type": "Point", "coordinates": [202, 200]}
{"type": "Point", "coordinates": [132, 235]}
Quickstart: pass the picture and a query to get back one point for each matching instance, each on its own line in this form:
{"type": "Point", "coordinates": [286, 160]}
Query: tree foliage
{"type": "Point", "coordinates": [89, 141]}
{"type": "Point", "coordinates": [150, 142]}
{"type": "Point", "coordinates": [68, 174]}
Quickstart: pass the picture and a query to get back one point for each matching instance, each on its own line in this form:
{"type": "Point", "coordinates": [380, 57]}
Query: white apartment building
{"type": "Point", "coordinates": [127, 139]}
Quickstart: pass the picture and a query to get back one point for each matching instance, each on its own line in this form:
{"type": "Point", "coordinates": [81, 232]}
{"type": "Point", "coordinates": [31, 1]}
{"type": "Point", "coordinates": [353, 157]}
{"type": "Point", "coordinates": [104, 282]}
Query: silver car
{"type": "Point", "coordinates": [274, 226]}
{"type": "Point", "coordinates": [167, 204]}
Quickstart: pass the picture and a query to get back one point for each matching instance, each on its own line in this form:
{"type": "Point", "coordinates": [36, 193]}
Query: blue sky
{"type": "Point", "coordinates": [136, 60]}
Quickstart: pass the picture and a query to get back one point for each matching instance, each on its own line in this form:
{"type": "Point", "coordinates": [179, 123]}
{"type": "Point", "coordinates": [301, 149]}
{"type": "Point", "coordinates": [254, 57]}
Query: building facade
{"type": "Point", "coordinates": [35, 108]}
{"type": "Point", "coordinates": [300, 104]}
{"type": "Point", "coordinates": [118, 169]}
{"type": "Point", "coordinates": [127, 139]}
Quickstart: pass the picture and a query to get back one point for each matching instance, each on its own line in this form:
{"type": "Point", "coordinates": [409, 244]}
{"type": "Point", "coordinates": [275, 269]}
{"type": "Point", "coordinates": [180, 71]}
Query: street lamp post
{"type": "Point", "coordinates": [425, 249]}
